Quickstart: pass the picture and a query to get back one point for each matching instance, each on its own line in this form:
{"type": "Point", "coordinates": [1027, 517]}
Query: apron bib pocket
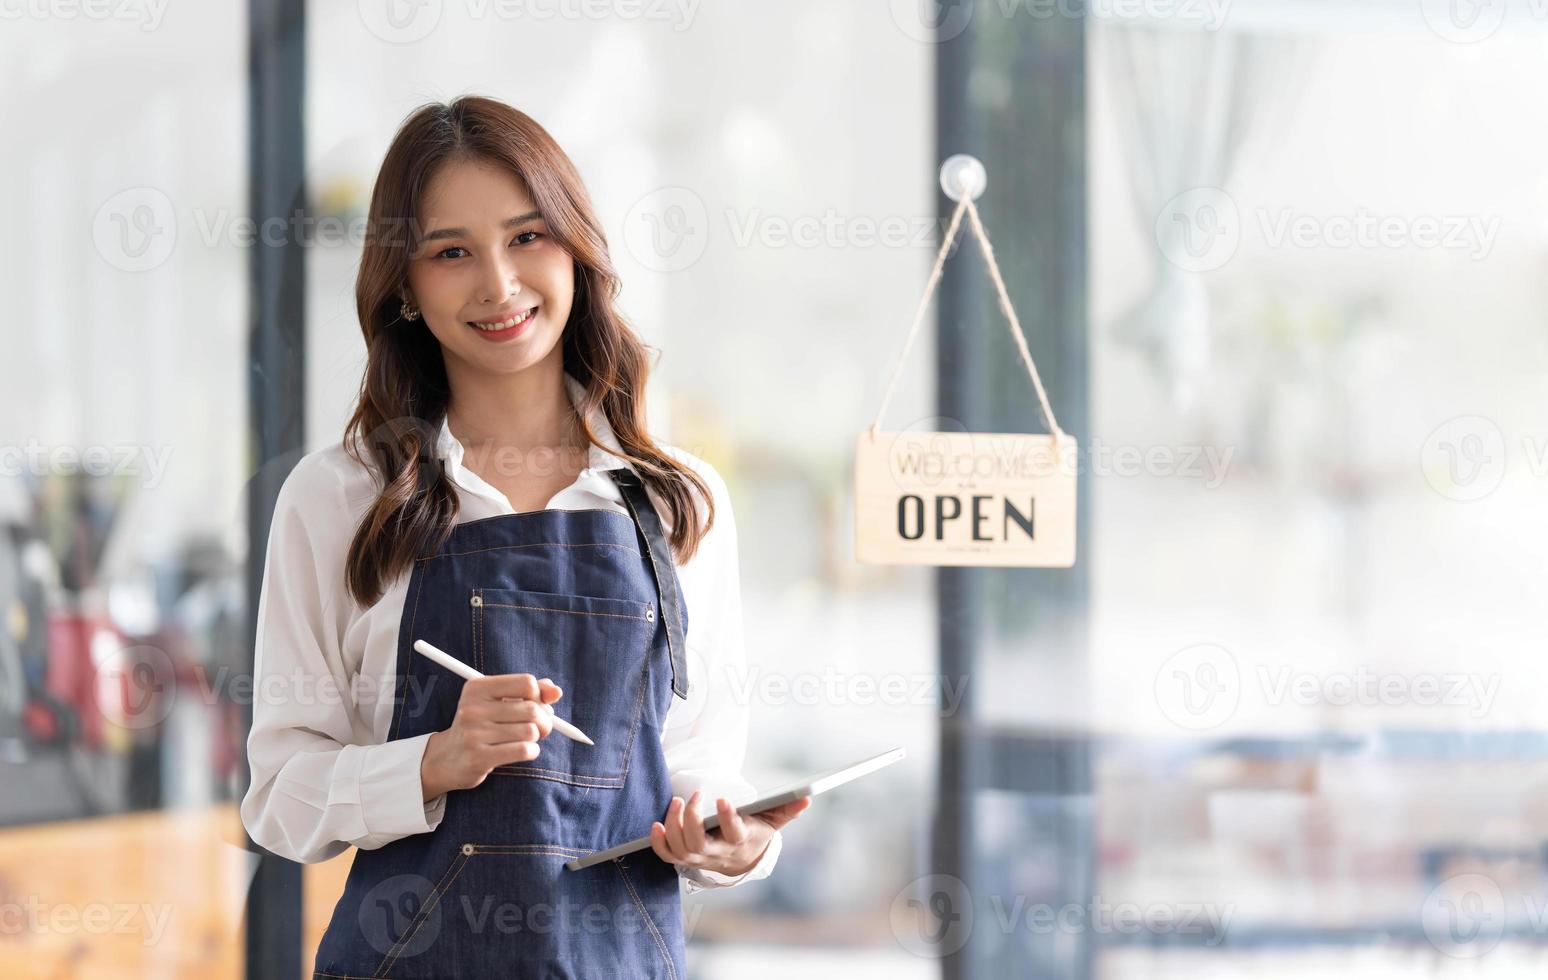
{"type": "Point", "coordinates": [597, 649]}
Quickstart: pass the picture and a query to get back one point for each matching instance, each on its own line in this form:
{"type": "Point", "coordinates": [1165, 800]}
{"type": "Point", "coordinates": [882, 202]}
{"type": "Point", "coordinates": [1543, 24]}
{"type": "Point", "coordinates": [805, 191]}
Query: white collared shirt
{"type": "Point", "coordinates": [324, 775]}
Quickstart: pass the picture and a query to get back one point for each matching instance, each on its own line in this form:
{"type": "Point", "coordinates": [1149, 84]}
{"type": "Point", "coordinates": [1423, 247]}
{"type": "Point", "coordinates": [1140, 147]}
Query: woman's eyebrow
{"type": "Point", "coordinates": [463, 232]}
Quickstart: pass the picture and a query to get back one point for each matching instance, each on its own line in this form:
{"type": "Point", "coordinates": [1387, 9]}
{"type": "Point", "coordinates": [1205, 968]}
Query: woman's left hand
{"type": "Point", "coordinates": [732, 849]}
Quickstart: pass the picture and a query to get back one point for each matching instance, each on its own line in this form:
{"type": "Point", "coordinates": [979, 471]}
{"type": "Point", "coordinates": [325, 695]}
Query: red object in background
{"type": "Point", "coordinates": [41, 721]}
{"type": "Point", "coordinates": [71, 678]}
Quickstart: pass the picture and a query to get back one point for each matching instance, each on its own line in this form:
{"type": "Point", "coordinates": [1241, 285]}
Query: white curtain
{"type": "Point", "coordinates": [1186, 99]}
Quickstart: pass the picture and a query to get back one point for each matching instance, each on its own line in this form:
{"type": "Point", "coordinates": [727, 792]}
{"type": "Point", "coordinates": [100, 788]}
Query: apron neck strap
{"type": "Point", "coordinates": [659, 554]}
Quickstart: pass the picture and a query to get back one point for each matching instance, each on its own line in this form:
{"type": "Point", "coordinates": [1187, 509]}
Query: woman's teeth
{"type": "Point", "coordinates": [515, 320]}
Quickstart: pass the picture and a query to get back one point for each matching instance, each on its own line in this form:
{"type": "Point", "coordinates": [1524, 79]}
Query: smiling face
{"type": "Point", "coordinates": [494, 286]}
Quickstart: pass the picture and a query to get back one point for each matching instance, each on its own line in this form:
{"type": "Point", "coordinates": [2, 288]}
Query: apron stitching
{"type": "Point", "coordinates": [649, 922]}
{"type": "Point", "coordinates": [432, 901]}
{"type": "Point", "coordinates": [405, 668]}
{"type": "Point", "coordinates": [639, 710]}
{"type": "Point", "coordinates": [559, 775]}
{"type": "Point", "coordinates": [551, 850]}
{"type": "Point", "coordinates": [572, 612]}
{"type": "Point", "coordinates": [665, 585]}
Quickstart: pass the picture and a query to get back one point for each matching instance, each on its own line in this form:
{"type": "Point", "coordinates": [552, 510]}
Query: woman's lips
{"type": "Point", "coordinates": [505, 333]}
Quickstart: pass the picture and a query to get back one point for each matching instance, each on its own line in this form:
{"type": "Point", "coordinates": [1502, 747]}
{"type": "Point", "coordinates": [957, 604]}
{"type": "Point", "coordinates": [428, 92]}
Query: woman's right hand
{"type": "Point", "coordinates": [500, 719]}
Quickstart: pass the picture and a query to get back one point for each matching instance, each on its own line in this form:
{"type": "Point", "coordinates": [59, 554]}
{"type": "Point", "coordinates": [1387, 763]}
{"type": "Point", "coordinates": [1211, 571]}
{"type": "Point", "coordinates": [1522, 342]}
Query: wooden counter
{"type": "Point", "coordinates": [143, 895]}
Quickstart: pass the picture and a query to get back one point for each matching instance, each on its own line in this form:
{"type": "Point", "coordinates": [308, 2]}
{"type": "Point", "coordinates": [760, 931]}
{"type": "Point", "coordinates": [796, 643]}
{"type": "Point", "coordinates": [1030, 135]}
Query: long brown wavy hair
{"type": "Point", "coordinates": [404, 393]}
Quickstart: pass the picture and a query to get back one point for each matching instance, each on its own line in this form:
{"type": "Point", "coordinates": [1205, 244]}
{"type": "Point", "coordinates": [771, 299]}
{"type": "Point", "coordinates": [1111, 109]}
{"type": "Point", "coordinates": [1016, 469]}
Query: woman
{"type": "Point", "coordinates": [497, 494]}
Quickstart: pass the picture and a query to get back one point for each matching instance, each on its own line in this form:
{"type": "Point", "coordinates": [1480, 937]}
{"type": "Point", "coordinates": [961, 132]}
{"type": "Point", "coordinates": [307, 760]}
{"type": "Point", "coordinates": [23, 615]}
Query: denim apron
{"type": "Point", "coordinates": [589, 598]}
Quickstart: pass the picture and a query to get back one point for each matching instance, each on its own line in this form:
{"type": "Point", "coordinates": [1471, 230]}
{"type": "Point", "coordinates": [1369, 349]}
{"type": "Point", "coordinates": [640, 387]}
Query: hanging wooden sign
{"type": "Point", "coordinates": [966, 498]}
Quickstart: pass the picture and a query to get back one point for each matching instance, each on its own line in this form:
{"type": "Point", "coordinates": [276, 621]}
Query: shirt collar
{"type": "Point", "coordinates": [604, 454]}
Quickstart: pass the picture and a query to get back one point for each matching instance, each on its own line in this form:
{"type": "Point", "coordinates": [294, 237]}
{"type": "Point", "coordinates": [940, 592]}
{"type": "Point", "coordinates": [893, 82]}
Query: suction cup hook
{"type": "Point", "coordinates": [963, 171]}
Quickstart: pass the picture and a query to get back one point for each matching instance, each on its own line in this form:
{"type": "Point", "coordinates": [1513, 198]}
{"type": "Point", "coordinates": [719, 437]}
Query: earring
{"type": "Point", "coordinates": [408, 311]}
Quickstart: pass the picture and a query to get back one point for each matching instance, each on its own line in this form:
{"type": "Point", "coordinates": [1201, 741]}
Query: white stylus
{"type": "Point", "coordinates": [471, 673]}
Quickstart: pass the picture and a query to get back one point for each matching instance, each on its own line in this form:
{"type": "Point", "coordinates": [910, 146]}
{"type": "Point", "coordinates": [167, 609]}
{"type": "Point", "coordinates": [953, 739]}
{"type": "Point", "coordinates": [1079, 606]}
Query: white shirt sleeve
{"type": "Point", "coordinates": [318, 785]}
{"type": "Point", "coordinates": [706, 735]}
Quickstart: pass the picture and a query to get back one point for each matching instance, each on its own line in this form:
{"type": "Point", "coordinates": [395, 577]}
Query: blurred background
{"type": "Point", "coordinates": [1281, 264]}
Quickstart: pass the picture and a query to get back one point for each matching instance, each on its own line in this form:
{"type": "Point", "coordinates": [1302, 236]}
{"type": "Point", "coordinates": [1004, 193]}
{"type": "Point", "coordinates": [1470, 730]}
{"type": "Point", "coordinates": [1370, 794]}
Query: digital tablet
{"type": "Point", "coordinates": [787, 794]}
